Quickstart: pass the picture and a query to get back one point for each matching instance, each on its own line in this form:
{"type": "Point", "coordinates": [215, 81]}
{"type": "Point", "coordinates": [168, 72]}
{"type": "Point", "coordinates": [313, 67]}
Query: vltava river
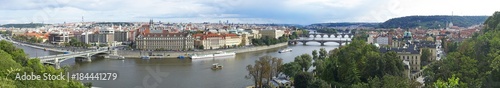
{"type": "Point", "coordinates": [181, 73]}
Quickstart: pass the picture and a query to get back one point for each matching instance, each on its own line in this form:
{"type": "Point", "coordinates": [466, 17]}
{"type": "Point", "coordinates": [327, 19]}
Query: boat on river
{"type": "Point", "coordinates": [218, 54]}
{"type": "Point", "coordinates": [216, 66]}
{"type": "Point", "coordinates": [285, 50]}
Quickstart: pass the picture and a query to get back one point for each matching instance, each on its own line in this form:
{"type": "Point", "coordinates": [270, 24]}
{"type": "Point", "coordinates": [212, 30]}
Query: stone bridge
{"type": "Point", "coordinates": [349, 35]}
{"type": "Point", "coordinates": [319, 41]}
{"type": "Point", "coordinates": [84, 55]}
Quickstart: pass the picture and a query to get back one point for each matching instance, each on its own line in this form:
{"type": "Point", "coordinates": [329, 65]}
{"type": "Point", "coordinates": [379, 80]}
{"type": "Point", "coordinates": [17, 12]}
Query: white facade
{"type": "Point", "coordinates": [272, 33]}
{"type": "Point", "coordinates": [233, 41]}
{"type": "Point", "coordinates": [383, 40]}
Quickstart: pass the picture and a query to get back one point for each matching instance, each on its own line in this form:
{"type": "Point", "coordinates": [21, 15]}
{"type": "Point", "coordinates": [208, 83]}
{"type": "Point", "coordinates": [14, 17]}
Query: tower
{"type": "Point", "coordinates": [151, 24]}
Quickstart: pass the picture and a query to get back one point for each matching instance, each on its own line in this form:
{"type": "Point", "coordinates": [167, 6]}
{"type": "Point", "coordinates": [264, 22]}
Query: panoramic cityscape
{"type": "Point", "coordinates": [249, 44]}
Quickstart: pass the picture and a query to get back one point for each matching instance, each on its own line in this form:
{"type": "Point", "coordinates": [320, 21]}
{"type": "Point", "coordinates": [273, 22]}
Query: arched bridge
{"type": "Point", "coordinates": [57, 59]}
{"type": "Point", "coordinates": [304, 41]}
{"type": "Point", "coordinates": [343, 35]}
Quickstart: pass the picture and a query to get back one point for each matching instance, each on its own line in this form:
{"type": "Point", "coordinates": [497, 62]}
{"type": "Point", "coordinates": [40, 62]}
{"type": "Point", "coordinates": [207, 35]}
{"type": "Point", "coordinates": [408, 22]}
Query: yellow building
{"type": "Point", "coordinates": [232, 40]}
{"type": "Point", "coordinates": [410, 54]}
{"type": "Point", "coordinates": [216, 40]}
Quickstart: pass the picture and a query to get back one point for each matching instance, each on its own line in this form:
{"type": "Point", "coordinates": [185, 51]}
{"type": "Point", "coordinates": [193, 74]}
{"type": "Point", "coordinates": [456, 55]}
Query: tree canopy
{"type": "Point", "coordinates": [432, 22]}
{"type": "Point", "coordinates": [357, 64]}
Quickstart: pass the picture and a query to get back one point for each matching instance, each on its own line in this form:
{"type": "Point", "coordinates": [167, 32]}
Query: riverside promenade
{"type": "Point", "coordinates": [33, 46]}
{"type": "Point", "coordinates": [170, 54]}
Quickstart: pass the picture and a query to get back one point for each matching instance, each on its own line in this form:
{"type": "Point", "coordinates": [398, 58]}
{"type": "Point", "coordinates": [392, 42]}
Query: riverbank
{"type": "Point", "coordinates": [30, 45]}
{"type": "Point", "coordinates": [38, 46]}
{"type": "Point", "coordinates": [170, 54]}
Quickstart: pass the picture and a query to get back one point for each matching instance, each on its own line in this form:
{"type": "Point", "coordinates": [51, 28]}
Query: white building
{"type": "Point", "coordinates": [272, 33]}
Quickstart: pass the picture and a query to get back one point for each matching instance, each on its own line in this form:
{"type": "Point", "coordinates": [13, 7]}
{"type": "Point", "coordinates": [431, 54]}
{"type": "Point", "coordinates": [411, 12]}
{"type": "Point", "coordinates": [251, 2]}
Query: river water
{"type": "Point", "coordinates": [182, 73]}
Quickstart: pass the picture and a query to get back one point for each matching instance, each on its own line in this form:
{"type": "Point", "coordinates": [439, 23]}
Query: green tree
{"type": "Point", "coordinates": [302, 80]}
{"type": "Point", "coordinates": [425, 55]}
{"type": "Point", "coordinates": [452, 82]}
{"type": "Point", "coordinates": [315, 54]}
{"type": "Point", "coordinates": [322, 53]}
{"type": "Point", "coordinates": [318, 83]}
{"type": "Point", "coordinates": [304, 61]}
{"type": "Point", "coordinates": [7, 62]}
{"type": "Point", "coordinates": [291, 69]}
{"type": "Point", "coordinates": [7, 83]}
{"type": "Point", "coordinates": [263, 70]}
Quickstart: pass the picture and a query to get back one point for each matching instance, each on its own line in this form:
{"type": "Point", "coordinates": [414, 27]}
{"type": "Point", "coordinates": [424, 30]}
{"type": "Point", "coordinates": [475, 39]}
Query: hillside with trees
{"type": "Point", "coordinates": [14, 61]}
{"type": "Point", "coordinates": [432, 22]}
{"type": "Point", "coordinates": [345, 24]}
{"type": "Point", "coordinates": [474, 63]}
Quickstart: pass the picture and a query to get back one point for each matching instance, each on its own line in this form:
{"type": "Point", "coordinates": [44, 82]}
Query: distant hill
{"type": "Point", "coordinates": [432, 22]}
{"type": "Point", "coordinates": [30, 25]}
{"type": "Point", "coordinates": [345, 25]}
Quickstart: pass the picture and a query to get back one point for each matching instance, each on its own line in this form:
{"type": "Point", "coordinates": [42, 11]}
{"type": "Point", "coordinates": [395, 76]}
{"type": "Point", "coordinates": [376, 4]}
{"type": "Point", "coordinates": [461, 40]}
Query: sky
{"type": "Point", "coordinates": [235, 11]}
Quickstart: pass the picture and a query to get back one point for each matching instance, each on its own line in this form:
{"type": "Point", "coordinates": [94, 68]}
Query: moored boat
{"type": "Point", "coordinates": [114, 57]}
{"type": "Point", "coordinates": [145, 57]}
{"type": "Point", "coordinates": [214, 55]}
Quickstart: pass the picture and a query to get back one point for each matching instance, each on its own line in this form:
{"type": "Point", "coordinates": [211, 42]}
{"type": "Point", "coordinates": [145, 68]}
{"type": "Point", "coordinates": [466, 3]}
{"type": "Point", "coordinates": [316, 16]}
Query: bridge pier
{"type": "Point", "coordinates": [57, 65]}
{"type": "Point", "coordinates": [304, 42]}
{"type": "Point", "coordinates": [349, 35]}
{"type": "Point", "coordinates": [336, 35]}
{"type": "Point", "coordinates": [322, 35]}
{"type": "Point", "coordinates": [329, 35]}
{"type": "Point", "coordinates": [322, 43]}
{"type": "Point", "coordinates": [89, 59]}
{"type": "Point", "coordinates": [343, 35]}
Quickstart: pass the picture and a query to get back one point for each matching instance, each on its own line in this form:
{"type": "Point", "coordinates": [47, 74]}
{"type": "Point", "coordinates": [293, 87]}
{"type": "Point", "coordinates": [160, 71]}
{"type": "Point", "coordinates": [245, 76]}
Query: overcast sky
{"type": "Point", "coordinates": [236, 11]}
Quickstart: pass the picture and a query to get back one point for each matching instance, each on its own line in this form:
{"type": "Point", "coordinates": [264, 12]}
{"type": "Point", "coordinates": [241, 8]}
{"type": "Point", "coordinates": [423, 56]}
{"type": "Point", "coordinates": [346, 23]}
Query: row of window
{"type": "Point", "coordinates": [412, 59]}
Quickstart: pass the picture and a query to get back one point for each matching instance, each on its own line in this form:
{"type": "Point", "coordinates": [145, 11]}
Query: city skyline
{"type": "Point", "coordinates": [235, 11]}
